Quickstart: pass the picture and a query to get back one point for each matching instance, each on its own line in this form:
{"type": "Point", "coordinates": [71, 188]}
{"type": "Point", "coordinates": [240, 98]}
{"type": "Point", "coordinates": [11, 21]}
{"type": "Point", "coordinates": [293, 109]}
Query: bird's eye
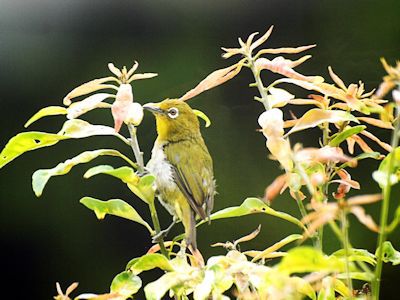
{"type": "Point", "coordinates": [173, 112]}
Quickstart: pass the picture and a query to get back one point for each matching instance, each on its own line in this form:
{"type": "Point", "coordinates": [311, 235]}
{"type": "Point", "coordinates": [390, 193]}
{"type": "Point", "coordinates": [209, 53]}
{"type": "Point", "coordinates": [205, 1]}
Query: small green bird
{"type": "Point", "coordinates": [182, 165]}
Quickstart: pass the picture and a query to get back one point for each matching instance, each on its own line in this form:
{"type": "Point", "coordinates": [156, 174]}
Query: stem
{"type": "Point", "coordinates": [259, 83]}
{"type": "Point", "coordinates": [311, 191]}
{"type": "Point", "coordinates": [140, 165]}
{"type": "Point", "coordinates": [338, 233]}
{"type": "Point", "coordinates": [157, 227]}
{"type": "Point", "coordinates": [345, 234]}
{"type": "Point", "coordinates": [135, 147]}
{"type": "Point", "coordinates": [385, 211]}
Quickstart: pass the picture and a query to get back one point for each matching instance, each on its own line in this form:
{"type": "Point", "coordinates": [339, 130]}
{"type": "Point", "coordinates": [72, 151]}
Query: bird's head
{"type": "Point", "coordinates": [175, 119]}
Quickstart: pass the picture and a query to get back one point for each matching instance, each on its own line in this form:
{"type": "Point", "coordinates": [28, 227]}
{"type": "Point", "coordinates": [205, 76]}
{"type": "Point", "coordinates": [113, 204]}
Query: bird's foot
{"type": "Point", "coordinates": [160, 236]}
{"type": "Point", "coordinates": [143, 172]}
{"type": "Point", "coordinates": [163, 233]}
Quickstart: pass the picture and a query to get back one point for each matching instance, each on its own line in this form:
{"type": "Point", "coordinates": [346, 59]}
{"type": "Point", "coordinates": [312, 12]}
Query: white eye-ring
{"type": "Point", "coordinates": [173, 112]}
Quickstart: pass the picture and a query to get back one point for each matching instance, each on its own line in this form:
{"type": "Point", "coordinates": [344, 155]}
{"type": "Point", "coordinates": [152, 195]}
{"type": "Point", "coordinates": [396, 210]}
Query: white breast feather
{"type": "Point", "coordinates": [161, 168]}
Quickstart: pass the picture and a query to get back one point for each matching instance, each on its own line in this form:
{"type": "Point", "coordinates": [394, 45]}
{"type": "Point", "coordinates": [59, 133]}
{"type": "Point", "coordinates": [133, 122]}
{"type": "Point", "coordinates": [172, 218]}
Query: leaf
{"type": "Point", "coordinates": [126, 284]}
{"type": "Point", "coordinates": [317, 116]}
{"type": "Point", "coordinates": [214, 79]}
{"type": "Point", "coordinates": [389, 253]}
{"type": "Point", "coordinates": [376, 122]}
{"type": "Point", "coordinates": [157, 289]}
{"type": "Point", "coordinates": [356, 255]}
{"type": "Point", "coordinates": [27, 141]}
{"type": "Point", "coordinates": [89, 87]}
{"type": "Point", "coordinates": [203, 116]}
{"type": "Point", "coordinates": [142, 76]}
{"type": "Point", "coordinates": [149, 262]}
{"type": "Point", "coordinates": [144, 189]}
{"type": "Point", "coordinates": [278, 245]}
{"type": "Point", "coordinates": [41, 177]}
{"type": "Point", "coordinates": [373, 155]}
{"type": "Point", "coordinates": [115, 207]}
{"type": "Point", "coordinates": [252, 206]}
{"type": "Point", "coordinates": [47, 111]}
{"type": "Point", "coordinates": [381, 176]}
{"type": "Point", "coordinates": [307, 259]}
{"type": "Point", "coordinates": [363, 276]}
{"type": "Point", "coordinates": [327, 291]}
{"type": "Point", "coordinates": [203, 290]}
{"type": "Point", "coordinates": [303, 287]}
{"type": "Point", "coordinates": [348, 132]}
{"type": "Point", "coordinates": [126, 174]}
{"type": "Point", "coordinates": [79, 108]}
{"type": "Point", "coordinates": [78, 129]}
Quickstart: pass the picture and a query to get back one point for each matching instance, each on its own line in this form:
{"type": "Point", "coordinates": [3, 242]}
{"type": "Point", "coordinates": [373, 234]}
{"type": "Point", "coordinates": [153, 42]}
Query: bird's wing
{"type": "Point", "coordinates": [193, 174]}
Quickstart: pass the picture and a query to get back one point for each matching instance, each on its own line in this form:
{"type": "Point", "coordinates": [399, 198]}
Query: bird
{"type": "Point", "coordinates": [182, 166]}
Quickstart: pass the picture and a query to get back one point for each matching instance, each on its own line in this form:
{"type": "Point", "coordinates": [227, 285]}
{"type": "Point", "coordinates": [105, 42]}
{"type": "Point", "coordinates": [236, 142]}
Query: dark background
{"type": "Point", "coordinates": [49, 47]}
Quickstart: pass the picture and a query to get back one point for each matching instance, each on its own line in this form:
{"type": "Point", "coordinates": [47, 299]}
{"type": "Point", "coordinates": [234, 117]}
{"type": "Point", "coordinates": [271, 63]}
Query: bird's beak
{"type": "Point", "coordinates": [154, 108]}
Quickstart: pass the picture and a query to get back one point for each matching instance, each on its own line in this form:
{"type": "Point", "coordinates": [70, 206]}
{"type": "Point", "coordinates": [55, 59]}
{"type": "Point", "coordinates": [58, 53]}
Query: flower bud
{"type": "Point", "coordinates": [134, 114]}
{"type": "Point", "coordinates": [271, 122]}
{"type": "Point", "coordinates": [120, 107]}
{"type": "Point", "coordinates": [396, 97]}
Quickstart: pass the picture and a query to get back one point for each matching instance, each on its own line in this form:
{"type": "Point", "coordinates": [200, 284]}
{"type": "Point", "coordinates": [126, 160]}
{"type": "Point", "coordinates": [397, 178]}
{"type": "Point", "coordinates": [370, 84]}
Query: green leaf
{"type": "Point", "coordinates": [47, 111]}
{"type": "Point", "coordinates": [157, 289]}
{"type": "Point", "coordinates": [33, 140]}
{"type": "Point", "coordinates": [356, 255]}
{"type": "Point", "coordinates": [381, 175]}
{"type": "Point", "coordinates": [363, 276]}
{"type": "Point", "coordinates": [203, 116]}
{"type": "Point", "coordinates": [126, 174]}
{"type": "Point", "coordinates": [252, 206]}
{"type": "Point", "coordinates": [342, 136]}
{"type": "Point", "coordinates": [389, 253]}
{"type": "Point", "coordinates": [307, 259]}
{"type": "Point", "coordinates": [304, 287]}
{"type": "Point", "coordinates": [341, 288]}
{"type": "Point", "coordinates": [396, 220]}
{"type": "Point", "coordinates": [41, 177]}
{"type": "Point", "coordinates": [116, 207]}
{"type": "Point", "coordinates": [126, 284]}
{"type": "Point", "coordinates": [144, 189]}
{"type": "Point", "coordinates": [148, 262]}
{"type": "Point", "coordinates": [27, 141]}
{"type": "Point", "coordinates": [289, 239]}
{"type": "Point", "coordinates": [373, 155]}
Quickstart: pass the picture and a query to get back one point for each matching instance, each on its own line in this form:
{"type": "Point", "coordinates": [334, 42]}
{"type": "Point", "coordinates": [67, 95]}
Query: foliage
{"type": "Point", "coordinates": [318, 179]}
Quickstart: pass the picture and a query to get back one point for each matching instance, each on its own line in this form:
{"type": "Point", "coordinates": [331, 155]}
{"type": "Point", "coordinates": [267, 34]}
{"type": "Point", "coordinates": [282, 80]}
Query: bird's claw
{"type": "Point", "coordinates": [143, 172]}
{"type": "Point", "coordinates": [159, 236]}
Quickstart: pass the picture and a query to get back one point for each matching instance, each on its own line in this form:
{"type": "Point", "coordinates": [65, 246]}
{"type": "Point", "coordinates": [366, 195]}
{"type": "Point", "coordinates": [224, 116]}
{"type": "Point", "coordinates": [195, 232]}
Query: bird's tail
{"type": "Point", "coordinates": [190, 233]}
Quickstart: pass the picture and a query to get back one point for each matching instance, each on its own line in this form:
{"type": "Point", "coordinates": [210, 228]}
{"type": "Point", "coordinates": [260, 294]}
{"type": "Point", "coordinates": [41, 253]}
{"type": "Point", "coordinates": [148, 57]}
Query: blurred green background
{"type": "Point", "coordinates": [49, 47]}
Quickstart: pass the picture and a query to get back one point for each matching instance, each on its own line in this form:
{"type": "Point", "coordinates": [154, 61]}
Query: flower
{"type": "Point", "coordinates": [123, 108]}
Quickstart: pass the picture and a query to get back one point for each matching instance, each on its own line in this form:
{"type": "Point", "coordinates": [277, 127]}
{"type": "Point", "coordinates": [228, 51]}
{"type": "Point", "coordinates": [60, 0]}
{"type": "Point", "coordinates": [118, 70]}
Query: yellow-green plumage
{"type": "Point", "coordinates": [182, 165]}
